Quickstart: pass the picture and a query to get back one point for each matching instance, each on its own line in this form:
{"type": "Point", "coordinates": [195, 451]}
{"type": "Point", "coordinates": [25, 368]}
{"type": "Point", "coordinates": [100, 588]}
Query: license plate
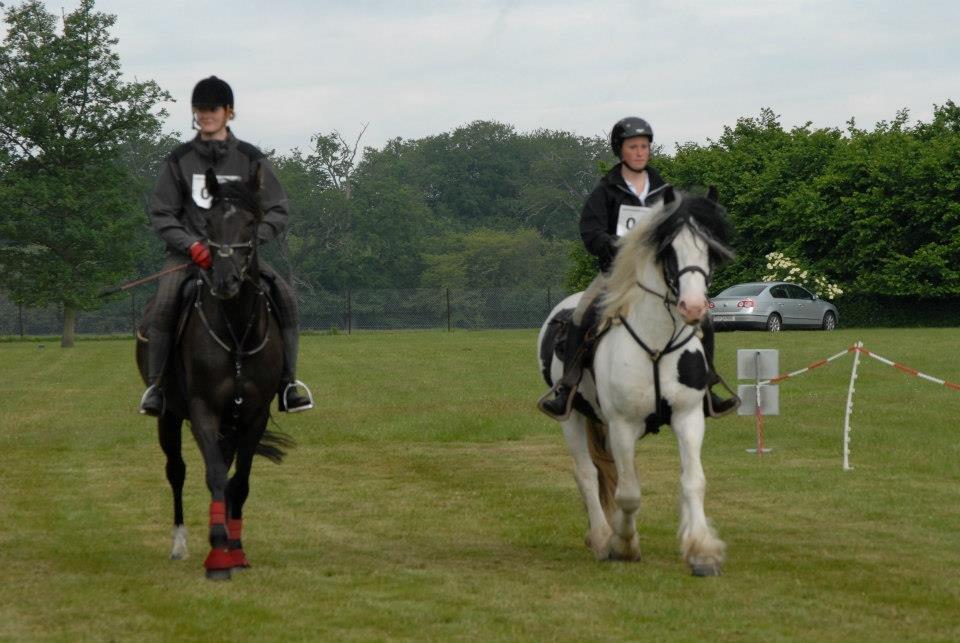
{"type": "Point", "coordinates": [723, 318]}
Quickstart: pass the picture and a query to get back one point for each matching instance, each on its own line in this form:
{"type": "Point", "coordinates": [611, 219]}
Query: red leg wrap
{"type": "Point", "coordinates": [219, 559]}
{"type": "Point", "coordinates": [218, 512]}
{"type": "Point", "coordinates": [234, 527]}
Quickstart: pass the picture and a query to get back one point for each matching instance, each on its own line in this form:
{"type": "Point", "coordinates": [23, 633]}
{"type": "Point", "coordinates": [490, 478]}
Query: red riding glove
{"type": "Point", "coordinates": [201, 255]}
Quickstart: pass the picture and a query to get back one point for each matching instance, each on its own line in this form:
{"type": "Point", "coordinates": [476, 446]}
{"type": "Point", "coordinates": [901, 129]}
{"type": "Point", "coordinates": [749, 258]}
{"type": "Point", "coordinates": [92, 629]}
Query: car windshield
{"type": "Point", "coordinates": [743, 290]}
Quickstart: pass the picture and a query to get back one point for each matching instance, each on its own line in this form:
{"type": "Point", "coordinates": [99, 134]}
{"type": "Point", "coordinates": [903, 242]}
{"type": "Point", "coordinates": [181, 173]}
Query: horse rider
{"type": "Point", "coordinates": [177, 215]}
{"type": "Point", "coordinates": [631, 182]}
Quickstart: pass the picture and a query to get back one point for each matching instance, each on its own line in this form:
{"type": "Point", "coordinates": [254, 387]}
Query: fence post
{"type": "Point", "coordinates": [449, 326]}
{"type": "Point", "coordinates": [20, 318]}
{"type": "Point", "coordinates": [349, 311]}
{"type": "Point", "coordinates": [133, 312]}
{"type": "Point", "coordinates": [548, 301]}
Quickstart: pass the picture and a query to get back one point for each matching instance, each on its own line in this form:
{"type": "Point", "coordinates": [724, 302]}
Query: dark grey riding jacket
{"type": "Point", "coordinates": [598, 220]}
{"type": "Point", "coordinates": [179, 199]}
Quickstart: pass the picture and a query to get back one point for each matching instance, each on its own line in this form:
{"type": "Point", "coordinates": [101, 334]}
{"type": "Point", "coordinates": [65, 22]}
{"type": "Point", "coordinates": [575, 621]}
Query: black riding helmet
{"type": "Point", "coordinates": [212, 92]}
{"type": "Point", "coordinates": [628, 128]}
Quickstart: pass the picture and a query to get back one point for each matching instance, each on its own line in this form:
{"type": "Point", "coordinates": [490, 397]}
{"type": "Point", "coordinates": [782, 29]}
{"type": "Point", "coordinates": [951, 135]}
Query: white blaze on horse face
{"type": "Point", "coordinates": [691, 250]}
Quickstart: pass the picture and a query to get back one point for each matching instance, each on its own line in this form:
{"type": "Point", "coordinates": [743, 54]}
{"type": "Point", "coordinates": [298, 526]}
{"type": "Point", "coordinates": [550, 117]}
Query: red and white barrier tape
{"type": "Point", "coordinates": [817, 364]}
{"type": "Point", "coordinates": [908, 370]}
{"type": "Point", "coordinates": [865, 351]}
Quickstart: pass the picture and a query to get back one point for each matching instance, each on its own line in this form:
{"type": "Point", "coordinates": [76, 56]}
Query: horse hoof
{"type": "Point", "coordinates": [706, 569]}
{"type": "Point", "coordinates": [218, 574]}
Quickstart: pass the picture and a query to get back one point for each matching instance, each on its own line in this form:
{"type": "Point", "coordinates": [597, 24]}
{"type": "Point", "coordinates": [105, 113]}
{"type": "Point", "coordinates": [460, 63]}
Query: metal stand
{"type": "Point", "coordinates": [764, 399]}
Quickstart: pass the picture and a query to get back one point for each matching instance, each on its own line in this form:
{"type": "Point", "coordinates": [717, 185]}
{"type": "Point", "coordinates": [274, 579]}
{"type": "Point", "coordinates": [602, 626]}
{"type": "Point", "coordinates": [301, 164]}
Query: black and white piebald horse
{"type": "Point", "coordinates": [648, 369]}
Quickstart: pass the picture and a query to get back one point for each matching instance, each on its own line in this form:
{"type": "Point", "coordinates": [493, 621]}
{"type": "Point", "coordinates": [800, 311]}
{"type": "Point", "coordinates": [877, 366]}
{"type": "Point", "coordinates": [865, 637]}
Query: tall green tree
{"type": "Point", "coordinates": [72, 199]}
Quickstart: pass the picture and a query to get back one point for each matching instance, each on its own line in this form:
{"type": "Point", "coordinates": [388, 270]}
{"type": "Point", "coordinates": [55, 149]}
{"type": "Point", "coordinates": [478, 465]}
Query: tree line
{"type": "Point", "coordinates": [877, 211]}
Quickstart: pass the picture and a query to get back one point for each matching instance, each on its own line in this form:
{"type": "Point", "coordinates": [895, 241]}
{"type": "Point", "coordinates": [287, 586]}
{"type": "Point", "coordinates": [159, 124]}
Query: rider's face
{"type": "Point", "coordinates": [212, 121]}
{"type": "Point", "coordinates": [635, 152]}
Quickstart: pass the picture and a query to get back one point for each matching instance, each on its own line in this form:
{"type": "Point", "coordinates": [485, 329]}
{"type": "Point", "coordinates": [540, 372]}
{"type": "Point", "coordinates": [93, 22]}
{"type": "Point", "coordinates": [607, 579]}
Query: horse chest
{"type": "Point", "coordinates": [628, 383]}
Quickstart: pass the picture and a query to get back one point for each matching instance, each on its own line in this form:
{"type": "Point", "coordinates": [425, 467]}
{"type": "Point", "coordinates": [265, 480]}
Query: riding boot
{"type": "Point", "coordinates": [289, 399]}
{"type": "Point", "coordinates": [714, 405]}
{"type": "Point", "coordinates": [158, 348]}
{"type": "Point", "coordinates": [564, 390]}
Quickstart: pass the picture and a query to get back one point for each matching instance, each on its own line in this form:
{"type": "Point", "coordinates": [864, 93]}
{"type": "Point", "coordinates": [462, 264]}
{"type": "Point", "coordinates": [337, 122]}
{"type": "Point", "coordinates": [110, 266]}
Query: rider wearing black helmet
{"type": "Point", "coordinates": [631, 182]}
{"type": "Point", "coordinates": [177, 214]}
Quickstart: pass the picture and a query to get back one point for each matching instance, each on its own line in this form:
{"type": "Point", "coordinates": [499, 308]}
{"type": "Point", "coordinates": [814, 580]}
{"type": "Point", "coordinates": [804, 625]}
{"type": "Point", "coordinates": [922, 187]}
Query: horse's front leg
{"type": "Point", "coordinates": [169, 430]}
{"type": "Point", "coordinates": [239, 488]}
{"type": "Point", "coordinates": [625, 544]}
{"type": "Point", "coordinates": [575, 430]}
{"type": "Point", "coordinates": [701, 547]}
{"type": "Point", "coordinates": [206, 430]}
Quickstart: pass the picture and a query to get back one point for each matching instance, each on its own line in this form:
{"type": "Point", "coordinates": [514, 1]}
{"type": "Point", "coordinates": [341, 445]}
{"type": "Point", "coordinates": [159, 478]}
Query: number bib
{"type": "Point", "coordinates": [629, 216]}
{"type": "Point", "coordinates": [199, 189]}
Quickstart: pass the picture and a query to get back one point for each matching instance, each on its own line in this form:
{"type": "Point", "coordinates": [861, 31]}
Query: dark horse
{"type": "Point", "coordinates": [223, 375]}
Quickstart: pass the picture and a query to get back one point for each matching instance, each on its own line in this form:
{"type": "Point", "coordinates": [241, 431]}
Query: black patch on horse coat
{"type": "Point", "coordinates": [692, 370]}
{"type": "Point", "coordinates": [582, 406]}
{"type": "Point", "coordinates": [550, 342]}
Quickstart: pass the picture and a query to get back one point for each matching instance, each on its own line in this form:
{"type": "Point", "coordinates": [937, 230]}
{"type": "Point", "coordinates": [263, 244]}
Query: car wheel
{"type": "Point", "coordinates": [774, 323]}
{"type": "Point", "coordinates": [829, 321]}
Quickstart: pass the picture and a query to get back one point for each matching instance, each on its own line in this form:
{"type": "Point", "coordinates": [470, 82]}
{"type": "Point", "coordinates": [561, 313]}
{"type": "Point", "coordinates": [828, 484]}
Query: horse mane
{"type": "Point", "coordinates": [635, 256]}
{"type": "Point", "coordinates": [638, 249]}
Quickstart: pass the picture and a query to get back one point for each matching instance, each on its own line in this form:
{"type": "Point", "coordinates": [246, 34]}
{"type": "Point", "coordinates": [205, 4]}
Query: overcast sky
{"type": "Point", "coordinates": [411, 69]}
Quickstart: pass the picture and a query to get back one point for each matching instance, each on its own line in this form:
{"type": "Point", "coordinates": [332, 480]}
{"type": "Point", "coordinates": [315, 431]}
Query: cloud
{"type": "Point", "coordinates": [420, 68]}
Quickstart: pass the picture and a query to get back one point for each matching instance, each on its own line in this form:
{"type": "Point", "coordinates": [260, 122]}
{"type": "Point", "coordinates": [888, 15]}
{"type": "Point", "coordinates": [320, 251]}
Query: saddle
{"type": "Point", "coordinates": [186, 298]}
{"type": "Point", "coordinates": [592, 328]}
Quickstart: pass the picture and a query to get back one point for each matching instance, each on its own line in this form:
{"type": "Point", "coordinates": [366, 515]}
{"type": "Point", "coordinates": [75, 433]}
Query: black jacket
{"type": "Point", "coordinates": [174, 212]}
{"type": "Point", "coordinates": [598, 220]}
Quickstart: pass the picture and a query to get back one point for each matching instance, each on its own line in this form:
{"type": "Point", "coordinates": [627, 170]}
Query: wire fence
{"type": "Point", "coordinates": [436, 308]}
{"type": "Point", "coordinates": [352, 310]}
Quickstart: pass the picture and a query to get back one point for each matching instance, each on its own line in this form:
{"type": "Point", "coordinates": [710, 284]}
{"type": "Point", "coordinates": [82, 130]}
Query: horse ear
{"type": "Point", "coordinates": [713, 195]}
{"type": "Point", "coordinates": [668, 195]}
{"type": "Point", "coordinates": [212, 184]}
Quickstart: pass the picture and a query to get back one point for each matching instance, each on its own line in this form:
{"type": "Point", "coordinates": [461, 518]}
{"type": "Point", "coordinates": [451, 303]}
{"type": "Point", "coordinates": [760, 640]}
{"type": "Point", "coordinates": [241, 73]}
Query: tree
{"type": "Point", "coordinates": [71, 199]}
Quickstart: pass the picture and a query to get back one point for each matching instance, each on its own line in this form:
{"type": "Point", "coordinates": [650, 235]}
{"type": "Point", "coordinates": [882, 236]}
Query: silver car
{"type": "Point", "coordinates": [771, 305]}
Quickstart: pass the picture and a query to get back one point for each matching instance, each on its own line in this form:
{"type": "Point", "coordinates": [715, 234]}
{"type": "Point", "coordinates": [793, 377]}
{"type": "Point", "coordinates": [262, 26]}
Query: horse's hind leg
{"type": "Point", "coordinates": [169, 430]}
{"type": "Point", "coordinates": [701, 548]}
{"type": "Point", "coordinates": [588, 480]}
{"type": "Point", "coordinates": [625, 544]}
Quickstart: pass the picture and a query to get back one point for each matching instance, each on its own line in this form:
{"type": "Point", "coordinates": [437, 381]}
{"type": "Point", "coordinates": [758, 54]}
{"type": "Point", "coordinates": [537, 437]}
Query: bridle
{"type": "Point", "coordinates": [226, 250]}
{"type": "Point", "coordinates": [671, 275]}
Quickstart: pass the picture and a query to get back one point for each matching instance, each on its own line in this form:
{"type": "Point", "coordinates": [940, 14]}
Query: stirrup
{"type": "Point", "coordinates": [286, 391]}
{"type": "Point", "coordinates": [568, 409]}
{"type": "Point", "coordinates": [143, 399]}
{"type": "Point", "coordinates": [708, 398]}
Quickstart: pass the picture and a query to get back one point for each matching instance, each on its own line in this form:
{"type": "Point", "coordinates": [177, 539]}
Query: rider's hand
{"type": "Point", "coordinates": [201, 255]}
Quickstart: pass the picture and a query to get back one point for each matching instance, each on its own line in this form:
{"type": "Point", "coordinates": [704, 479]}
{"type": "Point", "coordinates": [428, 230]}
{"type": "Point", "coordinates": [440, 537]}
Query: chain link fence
{"type": "Point", "coordinates": [352, 310]}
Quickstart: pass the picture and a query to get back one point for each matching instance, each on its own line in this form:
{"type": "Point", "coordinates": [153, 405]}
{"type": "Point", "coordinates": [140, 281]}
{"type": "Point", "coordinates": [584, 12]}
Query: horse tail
{"type": "Point", "coordinates": [274, 445]}
{"type": "Point", "coordinates": [606, 468]}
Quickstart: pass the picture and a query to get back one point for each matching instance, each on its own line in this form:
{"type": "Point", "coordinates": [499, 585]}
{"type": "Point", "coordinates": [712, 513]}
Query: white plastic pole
{"type": "Point", "coordinates": [846, 418]}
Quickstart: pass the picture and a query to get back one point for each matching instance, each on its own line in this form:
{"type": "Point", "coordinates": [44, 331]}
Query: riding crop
{"type": "Point", "coordinates": [144, 280]}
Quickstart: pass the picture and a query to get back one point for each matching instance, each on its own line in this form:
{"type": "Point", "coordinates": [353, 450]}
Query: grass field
{"type": "Point", "coordinates": [428, 500]}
